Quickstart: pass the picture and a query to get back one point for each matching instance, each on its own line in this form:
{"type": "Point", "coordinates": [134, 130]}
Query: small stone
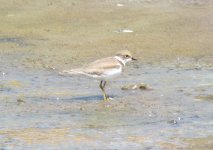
{"type": "Point", "coordinates": [127, 31]}
{"type": "Point", "coordinates": [204, 97]}
{"type": "Point", "coordinates": [120, 5]}
{"type": "Point", "coordinates": [20, 100]}
{"type": "Point", "coordinates": [179, 118]}
{"type": "Point", "coordinates": [140, 86]}
{"type": "Point", "coordinates": [129, 87]}
{"type": "Point", "coordinates": [123, 31]}
{"type": "Point", "coordinates": [134, 87]}
{"type": "Point", "coordinates": [172, 122]}
{"type": "Point", "coordinates": [143, 86]}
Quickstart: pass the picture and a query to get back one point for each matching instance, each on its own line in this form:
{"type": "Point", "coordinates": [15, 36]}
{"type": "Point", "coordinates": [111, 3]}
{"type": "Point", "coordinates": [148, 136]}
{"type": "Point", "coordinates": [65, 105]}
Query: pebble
{"type": "Point", "coordinates": [140, 86]}
{"type": "Point", "coordinates": [20, 100]}
{"type": "Point", "coordinates": [172, 122]}
{"type": "Point", "coordinates": [120, 5]}
{"type": "Point", "coordinates": [123, 31]}
{"type": "Point", "coordinates": [179, 118]}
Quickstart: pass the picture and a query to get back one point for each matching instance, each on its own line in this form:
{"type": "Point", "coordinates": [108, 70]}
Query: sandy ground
{"type": "Point", "coordinates": [172, 40]}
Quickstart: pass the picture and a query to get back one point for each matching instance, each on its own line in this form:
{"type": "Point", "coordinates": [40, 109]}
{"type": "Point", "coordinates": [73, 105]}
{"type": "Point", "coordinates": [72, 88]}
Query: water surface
{"type": "Point", "coordinates": [41, 110]}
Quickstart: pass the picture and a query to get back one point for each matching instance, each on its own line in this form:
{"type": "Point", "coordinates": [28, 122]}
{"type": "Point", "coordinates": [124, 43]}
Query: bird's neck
{"type": "Point", "coordinates": [120, 60]}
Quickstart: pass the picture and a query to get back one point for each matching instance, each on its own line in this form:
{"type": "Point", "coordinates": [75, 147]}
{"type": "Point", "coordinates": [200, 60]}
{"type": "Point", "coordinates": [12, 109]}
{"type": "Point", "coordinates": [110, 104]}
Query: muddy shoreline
{"type": "Point", "coordinates": [172, 40]}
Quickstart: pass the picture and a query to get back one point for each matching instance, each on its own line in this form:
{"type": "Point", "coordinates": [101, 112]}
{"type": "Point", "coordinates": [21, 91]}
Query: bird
{"type": "Point", "coordinates": [103, 69]}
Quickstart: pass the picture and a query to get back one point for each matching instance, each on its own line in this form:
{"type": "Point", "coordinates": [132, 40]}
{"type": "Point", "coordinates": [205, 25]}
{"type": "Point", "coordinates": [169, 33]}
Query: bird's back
{"type": "Point", "coordinates": [103, 67]}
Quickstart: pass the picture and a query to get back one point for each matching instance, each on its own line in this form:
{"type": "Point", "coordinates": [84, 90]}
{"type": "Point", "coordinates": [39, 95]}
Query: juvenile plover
{"type": "Point", "coordinates": [104, 69]}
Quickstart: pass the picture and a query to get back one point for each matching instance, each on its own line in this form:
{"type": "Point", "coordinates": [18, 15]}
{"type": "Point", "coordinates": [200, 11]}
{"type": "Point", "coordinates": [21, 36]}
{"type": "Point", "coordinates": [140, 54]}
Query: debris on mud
{"type": "Point", "coordinates": [20, 100]}
{"type": "Point", "coordinates": [140, 86]}
{"type": "Point", "coordinates": [123, 31]}
{"type": "Point", "coordinates": [204, 97]}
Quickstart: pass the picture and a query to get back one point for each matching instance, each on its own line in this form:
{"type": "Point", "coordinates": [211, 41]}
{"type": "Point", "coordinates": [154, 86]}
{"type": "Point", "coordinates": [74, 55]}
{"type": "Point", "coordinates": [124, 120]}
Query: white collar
{"type": "Point", "coordinates": [120, 60]}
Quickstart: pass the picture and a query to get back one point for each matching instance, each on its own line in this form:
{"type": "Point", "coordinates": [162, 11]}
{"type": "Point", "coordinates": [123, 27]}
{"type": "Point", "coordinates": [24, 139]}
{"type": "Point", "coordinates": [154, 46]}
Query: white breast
{"type": "Point", "coordinates": [112, 72]}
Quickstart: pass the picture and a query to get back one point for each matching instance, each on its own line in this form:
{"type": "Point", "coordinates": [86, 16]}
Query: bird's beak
{"type": "Point", "coordinates": [134, 58]}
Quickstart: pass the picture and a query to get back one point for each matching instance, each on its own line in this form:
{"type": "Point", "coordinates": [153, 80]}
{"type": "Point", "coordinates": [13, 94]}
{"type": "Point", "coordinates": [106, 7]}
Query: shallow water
{"type": "Point", "coordinates": [40, 109]}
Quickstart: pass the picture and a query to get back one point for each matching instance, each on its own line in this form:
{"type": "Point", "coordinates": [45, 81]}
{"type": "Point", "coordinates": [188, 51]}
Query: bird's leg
{"type": "Point", "coordinates": [106, 98]}
{"type": "Point", "coordinates": [102, 86]}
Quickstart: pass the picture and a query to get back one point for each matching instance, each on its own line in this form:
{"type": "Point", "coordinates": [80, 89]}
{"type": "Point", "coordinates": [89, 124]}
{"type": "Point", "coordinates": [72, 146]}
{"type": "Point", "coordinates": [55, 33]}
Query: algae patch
{"type": "Point", "coordinates": [204, 97]}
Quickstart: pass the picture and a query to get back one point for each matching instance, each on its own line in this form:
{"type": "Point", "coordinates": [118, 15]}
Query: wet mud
{"type": "Point", "coordinates": [172, 40]}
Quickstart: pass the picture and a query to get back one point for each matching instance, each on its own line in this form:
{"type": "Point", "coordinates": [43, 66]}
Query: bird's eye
{"type": "Point", "coordinates": [127, 56]}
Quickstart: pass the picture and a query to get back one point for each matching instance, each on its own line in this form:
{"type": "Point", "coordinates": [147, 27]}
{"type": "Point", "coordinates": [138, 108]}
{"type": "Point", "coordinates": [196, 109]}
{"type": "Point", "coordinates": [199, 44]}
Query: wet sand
{"type": "Point", "coordinates": [41, 110]}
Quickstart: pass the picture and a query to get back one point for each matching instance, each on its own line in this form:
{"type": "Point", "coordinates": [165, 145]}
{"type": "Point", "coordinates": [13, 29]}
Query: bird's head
{"type": "Point", "coordinates": [125, 56]}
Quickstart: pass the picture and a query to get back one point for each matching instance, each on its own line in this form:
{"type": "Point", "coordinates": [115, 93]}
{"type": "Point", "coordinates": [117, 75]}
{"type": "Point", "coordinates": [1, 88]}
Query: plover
{"type": "Point", "coordinates": [104, 69]}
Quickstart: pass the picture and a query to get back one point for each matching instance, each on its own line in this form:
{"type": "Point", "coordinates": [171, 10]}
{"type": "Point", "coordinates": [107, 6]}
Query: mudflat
{"type": "Point", "coordinates": [172, 40]}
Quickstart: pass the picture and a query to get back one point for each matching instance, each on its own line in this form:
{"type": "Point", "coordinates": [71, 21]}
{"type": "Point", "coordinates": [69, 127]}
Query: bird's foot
{"type": "Point", "coordinates": [107, 98]}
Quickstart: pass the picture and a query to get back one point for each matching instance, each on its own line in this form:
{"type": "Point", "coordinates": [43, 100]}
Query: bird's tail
{"type": "Point", "coordinates": [71, 72]}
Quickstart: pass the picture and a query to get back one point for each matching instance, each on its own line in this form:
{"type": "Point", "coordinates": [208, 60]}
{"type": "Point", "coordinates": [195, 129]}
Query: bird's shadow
{"type": "Point", "coordinates": [89, 98]}
{"type": "Point", "coordinates": [71, 99]}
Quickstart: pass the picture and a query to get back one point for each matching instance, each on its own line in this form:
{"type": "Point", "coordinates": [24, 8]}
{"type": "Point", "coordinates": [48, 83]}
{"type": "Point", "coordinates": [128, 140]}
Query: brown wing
{"type": "Point", "coordinates": [102, 65]}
